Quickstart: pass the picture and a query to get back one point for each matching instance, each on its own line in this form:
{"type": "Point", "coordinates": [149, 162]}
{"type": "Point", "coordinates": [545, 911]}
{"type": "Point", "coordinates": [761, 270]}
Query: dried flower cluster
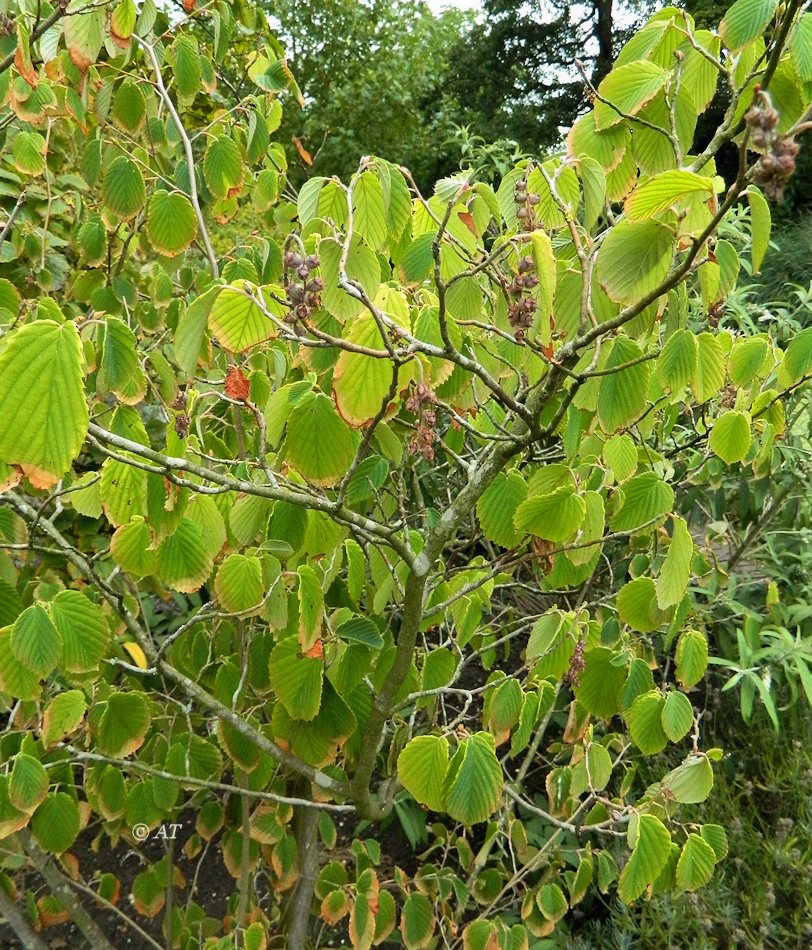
{"type": "Point", "coordinates": [777, 163]}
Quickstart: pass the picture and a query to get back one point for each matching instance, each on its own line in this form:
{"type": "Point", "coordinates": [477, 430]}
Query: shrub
{"type": "Point", "coordinates": [384, 511]}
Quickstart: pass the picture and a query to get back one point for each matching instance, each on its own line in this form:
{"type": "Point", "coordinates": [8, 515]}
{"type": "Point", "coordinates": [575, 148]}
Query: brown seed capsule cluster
{"type": "Point", "coordinates": [776, 167]}
{"type": "Point", "coordinates": [777, 164]}
{"type": "Point", "coordinates": [422, 402]}
{"type": "Point", "coordinates": [182, 420]}
{"type": "Point", "coordinates": [302, 290]}
{"type": "Point", "coordinates": [521, 310]}
{"type": "Point", "coordinates": [526, 202]}
{"type": "Point", "coordinates": [576, 667]}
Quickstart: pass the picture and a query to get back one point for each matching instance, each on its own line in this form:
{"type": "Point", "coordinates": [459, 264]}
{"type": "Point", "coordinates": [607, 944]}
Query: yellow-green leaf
{"type": "Point", "coordinates": [42, 400]}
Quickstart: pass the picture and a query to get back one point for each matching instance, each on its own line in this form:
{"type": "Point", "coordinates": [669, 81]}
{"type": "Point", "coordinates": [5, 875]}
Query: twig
{"type": "Point", "coordinates": [187, 145]}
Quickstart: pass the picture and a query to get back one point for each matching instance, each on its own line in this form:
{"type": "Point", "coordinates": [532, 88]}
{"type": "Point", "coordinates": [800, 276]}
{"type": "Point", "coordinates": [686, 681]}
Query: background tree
{"type": "Point", "coordinates": [513, 72]}
{"type": "Point", "coordinates": [372, 74]}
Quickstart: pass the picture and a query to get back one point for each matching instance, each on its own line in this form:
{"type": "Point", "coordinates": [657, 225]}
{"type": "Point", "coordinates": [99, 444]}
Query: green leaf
{"type": "Point", "coordinates": [730, 436]}
{"type": "Point", "coordinates": [551, 901]}
{"type": "Point", "coordinates": [360, 630]}
{"type": "Point", "coordinates": [11, 605]}
{"type": "Point", "coordinates": [634, 259]}
{"type": "Point", "coordinates": [745, 21]}
{"type": "Point", "coordinates": [362, 383]}
{"type": "Point", "coordinates": [42, 400]}
{"type": "Point", "coordinates": [691, 782]}
{"type": "Point", "coordinates": [123, 490]}
{"type": "Point", "coordinates": [237, 322]}
{"type": "Point", "coordinates": [238, 585]}
{"type": "Point", "coordinates": [760, 226]}
{"type": "Point", "coordinates": [623, 394]}
{"type": "Point", "coordinates": [187, 67]}
{"type": "Point", "coordinates": [320, 445]}
{"type": "Point", "coordinates": [307, 202]}
{"type": "Point", "coordinates": [601, 683]}
{"type": "Point", "coordinates": [417, 922]}
{"type": "Point", "coordinates": [593, 180]}
{"type": "Point", "coordinates": [696, 863]}
{"type": "Point", "coordinates": [297, 680]}
{"type": "Point", "coordinates": [716, 837]}
{"type": "Point", "coordinates": [663, 191]}
{"type": "Point", "coordinates": [545, 270]}
{"type": "Point", "coordinates": [691, 657]}
{"type": "Point", "coordinates": [504, 708]}
{"type": "Point", "coordinates": [123, 190]}
{"type": "Point", "coordinates": [418, 259]}
{"type": "Point", "coordinates": [640, 680]}
{"type": "Point", "coordinates": [123, 20]}
{"type": "Point", "coordinates": [607, 147]}
{"type": "Point", "coordinates": [422, 767]}
{"type": "Point", "coordinates": [369, 209]}
{"type": "Point", "coordinates": [223, 167]}
{"type": "Point", "coordinates": [650, 855]}
{"type": "Point", "coordinates": [362, 268]}
{"type": "Point", "coordinates": [131, 548]}
{"type": "Point", "coordinates": [677, 715]}
{"type": "Point", "coordinates": [473, 783]}
{"type": "Point", "coordinates": [317, 741]}
{"type": "Point", "coordinates": [646, 498]}
{"type": "Point", "coordinates": [365, 482]}
{"type": "Point", "coordinates": [129, 107]}
{"type": "Point", "coordinates": [797, 362]}
{"type": "Point", "coordinates": [120, 370]}
{"type": "Point", "coordinates": [746, 359]}
{"type": "Point", "coordinates": [620, 454]}
{"type": "Point", "coordinates": [644, 719]}
{"type": "Point", "coordinates": [15, 679]}
{"type": "Point", "coordinates": [801, 48]}
{"type": "Point", "coordinates": [35, 641]}
{"type": "Point", "coordinates": [62, 716]}
{"type": "Point", "coordinates": [191, 331]}
{"type": "Point", "coordinates": [676, 366]}
{"type": "Point", "coordinates": [710, 368]}
{"type": "Point", "coordinates": [628, 88]}
{"type": "Point", "coordinates": [93, 240]}
{"type": "Point", "coordinates": [637, 605]}
{"type": "Point", "coordinates": [676, 570]}
{"type": "Point", "coordinates": [607, 871]}
{"type": "Point", "coordinates": [599, 766]}
{"type": "Point", "coordinates": [554, 517]}
{"type": "Point", "coordinates": [28, 782]}
{"type": "Point", "coordinates": [84, 33]}
{"type": "Point", "coordinates": [171, 222]}
{"type": "Point", "coordinates": [28, 153]}
{"type": "Point", "coordinates": [123, 724]}
{"type": "Point", "coordinates": [311, 607]}
{"type": "Point", "coordinates": [496, 508]}
{"type": "Point", "coordinates": [82, 625]}
{"type": "Point", "coordinates": [183, 560]}
{"type": "Point", "coordinates": [55, 824]}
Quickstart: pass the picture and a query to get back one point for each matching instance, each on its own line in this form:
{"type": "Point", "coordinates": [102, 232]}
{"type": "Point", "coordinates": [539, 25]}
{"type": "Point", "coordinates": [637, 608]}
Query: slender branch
{"type": "Point", "coordinates": [191, 688]}
{"type": "Point", "coordinates": [135, 766]}
{"type": "Point", "coordinates": [21, 200]}
{"type": "Point", "coordinates": [59, 884]}
{"type": "Point", "coordinates": [40, 30]}
{"type": "Point", "coordinates": [19, 924]}
{"type": "Point", "coordinates": [169, 466]}
{"type": "Point", "coordinates": [187, 146]}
